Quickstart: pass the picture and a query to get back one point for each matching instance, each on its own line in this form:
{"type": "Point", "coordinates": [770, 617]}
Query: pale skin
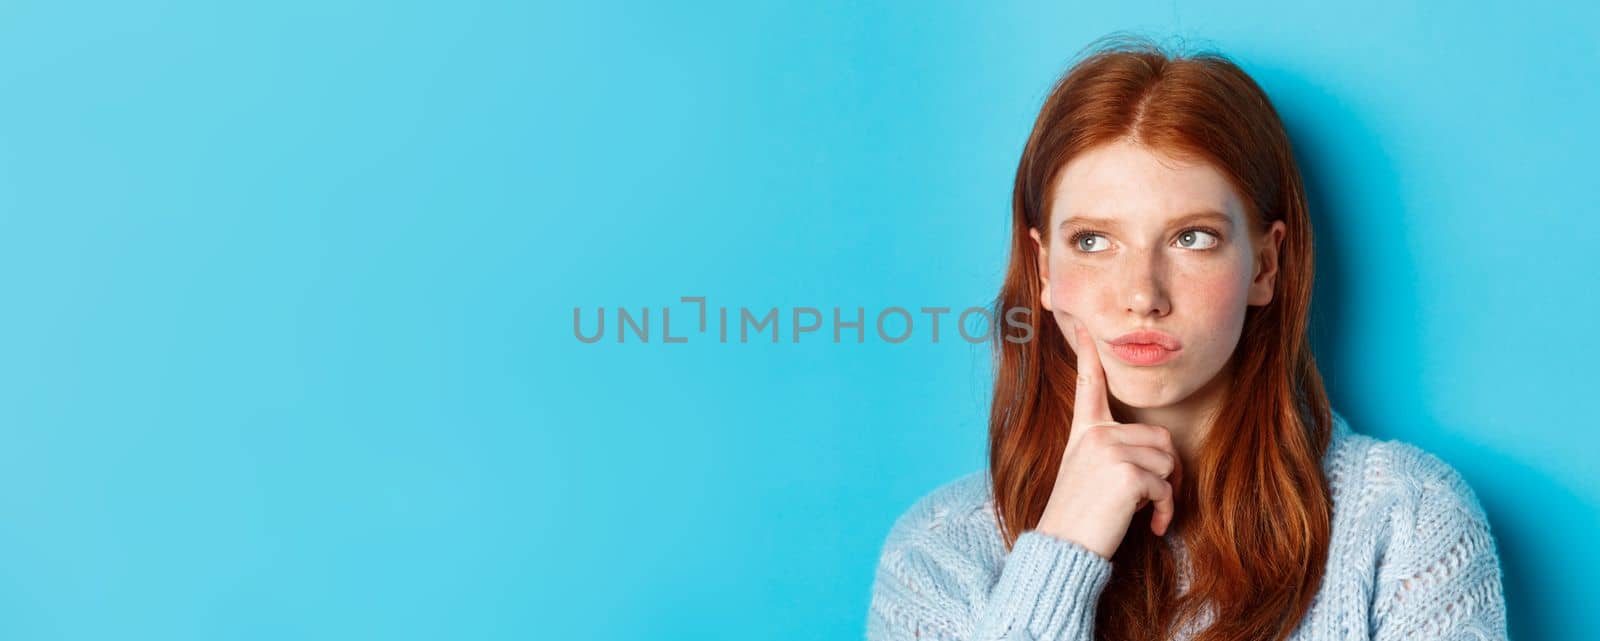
{"type": "Point", "coordinates": [1169, 249]}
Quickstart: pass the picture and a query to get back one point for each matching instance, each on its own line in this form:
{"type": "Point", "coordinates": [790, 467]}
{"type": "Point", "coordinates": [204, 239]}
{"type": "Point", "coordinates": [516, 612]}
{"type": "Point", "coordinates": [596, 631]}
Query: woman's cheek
{"type": "Point", "coordinates": [1072, 291]}
{"type": "Point", "coordinates": [1072, 298]}
{"type": "Point", "coordinates": [1215, 298]}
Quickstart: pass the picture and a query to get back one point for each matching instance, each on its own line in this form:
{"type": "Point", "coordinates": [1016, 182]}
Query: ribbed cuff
{"type": "Point", "coordinates": [1048, 587]}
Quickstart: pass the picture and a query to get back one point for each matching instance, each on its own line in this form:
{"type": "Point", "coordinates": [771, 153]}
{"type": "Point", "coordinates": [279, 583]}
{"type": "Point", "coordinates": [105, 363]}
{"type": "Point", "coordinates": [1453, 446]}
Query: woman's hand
{"type": "Point", "coordinates": [1109, 470]}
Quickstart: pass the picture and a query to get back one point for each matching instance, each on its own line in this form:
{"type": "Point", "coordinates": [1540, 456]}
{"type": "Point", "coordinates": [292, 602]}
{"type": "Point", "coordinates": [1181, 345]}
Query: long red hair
{"type": "Point", "coordinates": [1255, 512]}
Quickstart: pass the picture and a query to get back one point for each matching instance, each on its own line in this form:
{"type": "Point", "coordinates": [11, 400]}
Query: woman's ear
{"type": "Point", "coordinates": [1043, 255]}
{"type": "Point", "coordinates": [1267, 264]}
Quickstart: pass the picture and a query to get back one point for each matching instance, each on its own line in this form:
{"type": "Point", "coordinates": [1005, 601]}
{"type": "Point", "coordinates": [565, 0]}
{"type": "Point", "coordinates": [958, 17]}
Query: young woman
{"type": "Point", "coordinates": [1163, 459]}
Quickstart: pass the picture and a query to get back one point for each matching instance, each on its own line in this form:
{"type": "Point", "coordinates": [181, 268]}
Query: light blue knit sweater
{"type": "Point", "coordinates": [1411, 557]}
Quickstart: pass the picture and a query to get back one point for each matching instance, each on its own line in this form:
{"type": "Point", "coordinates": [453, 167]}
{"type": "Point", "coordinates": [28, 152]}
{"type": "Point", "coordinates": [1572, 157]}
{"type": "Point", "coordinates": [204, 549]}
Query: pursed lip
{"type": "Point", "coordinates": [1149, 337]}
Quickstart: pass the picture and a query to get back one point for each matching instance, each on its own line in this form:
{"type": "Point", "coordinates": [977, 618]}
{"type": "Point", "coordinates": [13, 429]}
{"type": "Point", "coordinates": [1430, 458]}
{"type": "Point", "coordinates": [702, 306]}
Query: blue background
{"type": "Point", "coordinates": [287, 343]}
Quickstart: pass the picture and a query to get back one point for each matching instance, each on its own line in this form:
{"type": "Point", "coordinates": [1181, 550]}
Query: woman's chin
{"type": "Point", "coordinates": [1144, 395]}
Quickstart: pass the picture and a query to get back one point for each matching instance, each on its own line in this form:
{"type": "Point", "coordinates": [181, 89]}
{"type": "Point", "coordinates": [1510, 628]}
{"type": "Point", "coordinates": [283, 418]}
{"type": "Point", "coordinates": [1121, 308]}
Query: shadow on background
{"type": "Point", "coordinates": [1343, 249]}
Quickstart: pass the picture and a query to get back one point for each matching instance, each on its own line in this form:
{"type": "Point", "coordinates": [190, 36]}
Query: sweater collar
{"type": "Point", "coordinates": [1340, 427]}
{"type": "Point", "coordinates": [1341, 434]}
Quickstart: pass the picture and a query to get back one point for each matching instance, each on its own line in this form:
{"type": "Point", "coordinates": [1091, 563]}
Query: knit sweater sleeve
{"type": "Point", "coordinates": [1440, 578]}
{"type": "Point", "coordinates": [930, 584]}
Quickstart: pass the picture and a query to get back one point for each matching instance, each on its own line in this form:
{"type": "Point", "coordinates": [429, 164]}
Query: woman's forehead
{"type": "Point", "coordinates": [1128, 184]}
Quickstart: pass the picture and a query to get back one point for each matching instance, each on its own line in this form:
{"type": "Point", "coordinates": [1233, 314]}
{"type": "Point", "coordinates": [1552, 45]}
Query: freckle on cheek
{"type": "Point", "coordinates": [1217, 294]}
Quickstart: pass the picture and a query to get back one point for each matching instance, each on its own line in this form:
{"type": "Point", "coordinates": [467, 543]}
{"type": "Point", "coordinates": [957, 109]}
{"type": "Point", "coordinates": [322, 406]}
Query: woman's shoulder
{"type": "Point", "coordinates": [1417, 517]}
{"type": "Point", "coordinates": [939, 564]}
{"type": "Point", "coordinates": [957, 513]}
{"type": "Point", "coordinates": [1394, 470]}
{"type": "Point", "coordinates": [1418, 510]}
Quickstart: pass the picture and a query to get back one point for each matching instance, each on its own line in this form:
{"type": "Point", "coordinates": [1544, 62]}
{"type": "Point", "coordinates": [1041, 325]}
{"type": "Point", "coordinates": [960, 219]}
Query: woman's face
{"type": "Point", "coordinates": [1142, 241]}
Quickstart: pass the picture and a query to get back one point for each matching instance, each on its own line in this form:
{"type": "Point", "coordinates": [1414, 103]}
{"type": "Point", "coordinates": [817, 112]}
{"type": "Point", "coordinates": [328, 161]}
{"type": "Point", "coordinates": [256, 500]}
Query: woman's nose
{"type": "Point", "coordinates": [1144, 284]}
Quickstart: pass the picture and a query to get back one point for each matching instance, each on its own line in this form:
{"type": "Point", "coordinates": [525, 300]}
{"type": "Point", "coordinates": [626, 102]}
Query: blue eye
{"type": "Point", "coordinates": [1078, 237]}
{"type": "Point", "coordinates": [1189, 236]}
{"type": "Point", "coordinates": [1090, 242]}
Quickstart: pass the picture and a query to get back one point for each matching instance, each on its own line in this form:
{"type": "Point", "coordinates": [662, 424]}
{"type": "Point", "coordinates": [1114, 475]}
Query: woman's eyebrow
{"type": "Point", "coordinates": [1206, 215]}
{"type": "Point", "coordinates": [1112, 223]}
